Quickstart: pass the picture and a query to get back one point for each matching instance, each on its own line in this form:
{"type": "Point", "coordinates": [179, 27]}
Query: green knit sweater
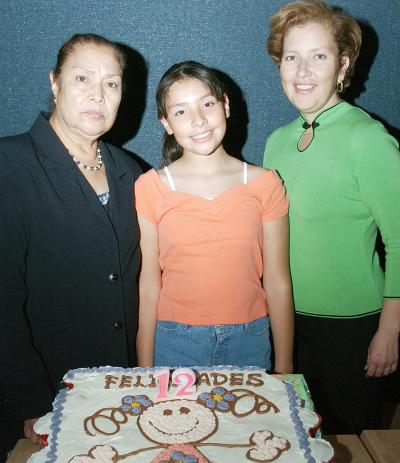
{"type": "Point", "coordinates": [342, 188]}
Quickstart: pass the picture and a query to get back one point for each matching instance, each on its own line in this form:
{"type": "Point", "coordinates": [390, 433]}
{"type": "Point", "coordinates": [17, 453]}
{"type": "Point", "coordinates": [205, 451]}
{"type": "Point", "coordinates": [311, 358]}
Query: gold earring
{"type": "Point", "coordinates": [340, 86]}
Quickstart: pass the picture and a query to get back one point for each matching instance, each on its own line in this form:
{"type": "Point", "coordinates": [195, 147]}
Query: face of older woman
{"type": "Point", "coordinates": [87, 93]}
{"type": "Point", "coordinates": [310, 69]}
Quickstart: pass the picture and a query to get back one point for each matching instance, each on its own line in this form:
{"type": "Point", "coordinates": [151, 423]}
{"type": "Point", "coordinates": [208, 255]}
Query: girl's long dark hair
{"type": "Point", "coordinates": [171, 150]}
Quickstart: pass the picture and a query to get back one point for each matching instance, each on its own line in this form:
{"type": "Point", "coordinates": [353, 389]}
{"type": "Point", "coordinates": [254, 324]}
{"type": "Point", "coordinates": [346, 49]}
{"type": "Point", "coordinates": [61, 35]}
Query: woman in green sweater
{"type": "Point", "coordinates": [342, 173]}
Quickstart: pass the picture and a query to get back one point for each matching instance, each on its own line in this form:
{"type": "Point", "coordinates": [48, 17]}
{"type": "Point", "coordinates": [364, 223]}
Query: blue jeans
{"type": "Point", "coordinates": [244, 344]}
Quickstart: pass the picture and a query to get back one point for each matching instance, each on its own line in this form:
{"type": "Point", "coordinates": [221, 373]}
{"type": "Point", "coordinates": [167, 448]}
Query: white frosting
{"type": "Point", "coordinates": [100, 454]}
{"type": "Point", "coordinates": [266, 446]}
{"type": "Point", "coordinates": [186, 422]}
{"type": "Point", "coordinates": [231, 430]}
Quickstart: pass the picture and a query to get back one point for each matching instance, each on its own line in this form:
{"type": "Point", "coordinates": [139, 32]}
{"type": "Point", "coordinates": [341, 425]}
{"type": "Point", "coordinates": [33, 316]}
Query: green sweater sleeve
{"type": "Point", "coordinates": [379, 185]}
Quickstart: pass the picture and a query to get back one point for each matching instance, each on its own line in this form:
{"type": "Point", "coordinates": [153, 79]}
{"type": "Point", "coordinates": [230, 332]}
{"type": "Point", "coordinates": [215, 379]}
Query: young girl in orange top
{"type": "Point", "coordinates": [214, 239]}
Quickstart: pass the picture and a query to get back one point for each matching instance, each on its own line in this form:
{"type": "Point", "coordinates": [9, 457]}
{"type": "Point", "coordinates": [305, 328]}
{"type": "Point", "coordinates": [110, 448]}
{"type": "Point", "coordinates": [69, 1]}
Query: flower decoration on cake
{"type": "Point", "coordinates": [135, 404]}
{"type": "Point", "coordinates": [218, 399]}
{"type": "Point", "coordinates": [266, 447]}
{"type": "Point", "coordinates": [180, 453]}
{"type": "Point", "coordinates": [179, 457]}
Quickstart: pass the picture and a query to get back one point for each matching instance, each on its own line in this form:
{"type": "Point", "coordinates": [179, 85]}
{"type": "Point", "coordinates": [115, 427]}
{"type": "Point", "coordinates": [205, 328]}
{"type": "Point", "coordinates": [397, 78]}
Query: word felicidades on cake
{"type": "Point", "coordinates": [208, 378]}
{"type": "Point", "coordinates": [200, 415]}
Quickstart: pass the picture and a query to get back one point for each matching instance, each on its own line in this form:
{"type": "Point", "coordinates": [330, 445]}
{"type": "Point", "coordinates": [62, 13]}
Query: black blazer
{"type": "Point", "coordinates": [68, 268]}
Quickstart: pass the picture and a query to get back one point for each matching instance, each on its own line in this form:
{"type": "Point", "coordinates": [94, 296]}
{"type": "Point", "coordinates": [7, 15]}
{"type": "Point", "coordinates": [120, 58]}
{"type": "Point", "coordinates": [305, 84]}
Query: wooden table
{"type": "Point", "coordinates": [383, 446]}
{"type": "Point", "coordinates": [348, 449]}
{"type": "Point", "coordinates": [22, 451]}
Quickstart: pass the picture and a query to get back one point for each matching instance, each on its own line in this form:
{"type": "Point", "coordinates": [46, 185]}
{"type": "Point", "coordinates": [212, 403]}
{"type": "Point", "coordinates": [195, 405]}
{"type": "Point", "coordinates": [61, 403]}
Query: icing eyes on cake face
{"type": "Point", "coordinates": [177, 422]}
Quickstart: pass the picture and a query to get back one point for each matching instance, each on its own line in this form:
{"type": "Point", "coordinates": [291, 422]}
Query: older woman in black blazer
{"type": "Point", "coordinates": [69, 252]}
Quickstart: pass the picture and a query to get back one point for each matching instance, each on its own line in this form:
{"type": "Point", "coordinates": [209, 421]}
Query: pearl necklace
{"type": "Point", "coordinates": [84, 166]}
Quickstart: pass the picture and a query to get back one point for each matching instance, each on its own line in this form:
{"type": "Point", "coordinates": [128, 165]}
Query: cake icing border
{"type": "Point", "coordinates": [303, 435]}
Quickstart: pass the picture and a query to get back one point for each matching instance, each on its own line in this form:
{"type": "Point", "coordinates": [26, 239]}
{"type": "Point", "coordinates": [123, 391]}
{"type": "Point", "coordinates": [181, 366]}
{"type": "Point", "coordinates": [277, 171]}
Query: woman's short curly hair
{"type": "Point", "coordinates": [345, 30]}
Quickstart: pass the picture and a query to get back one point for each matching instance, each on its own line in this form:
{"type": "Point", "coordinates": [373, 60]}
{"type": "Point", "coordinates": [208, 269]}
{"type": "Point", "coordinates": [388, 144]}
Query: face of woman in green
{"type": "Point", "coordinates": [310, 69]}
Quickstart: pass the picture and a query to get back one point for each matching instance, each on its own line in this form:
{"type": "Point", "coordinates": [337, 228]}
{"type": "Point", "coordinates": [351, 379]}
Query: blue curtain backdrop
{"type": "Point", "coordinates": [229, 35]}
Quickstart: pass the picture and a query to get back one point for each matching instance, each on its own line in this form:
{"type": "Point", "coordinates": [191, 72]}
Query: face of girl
{"type": "Point", "coordinates": [88, 92]}
{"type": "Point", "coordinates": [310, 69]}
{"type": "Point", "coordinates": [195, 117]}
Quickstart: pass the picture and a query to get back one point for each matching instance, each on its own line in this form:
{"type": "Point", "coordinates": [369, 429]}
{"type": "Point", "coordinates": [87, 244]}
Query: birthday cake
{"type": "Point", "coordinates": [203, 415]}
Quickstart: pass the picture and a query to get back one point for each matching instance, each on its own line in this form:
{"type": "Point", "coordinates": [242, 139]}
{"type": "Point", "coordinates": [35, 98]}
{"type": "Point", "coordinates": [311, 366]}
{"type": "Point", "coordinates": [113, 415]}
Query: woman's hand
{"type": "Point", "coordinates": [383, 353]}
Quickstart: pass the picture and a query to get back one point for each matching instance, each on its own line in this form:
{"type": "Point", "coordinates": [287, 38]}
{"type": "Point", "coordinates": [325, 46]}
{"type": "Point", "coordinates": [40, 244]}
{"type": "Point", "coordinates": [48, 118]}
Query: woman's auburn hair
{"type": "Point", "coordinates": [345, 30]}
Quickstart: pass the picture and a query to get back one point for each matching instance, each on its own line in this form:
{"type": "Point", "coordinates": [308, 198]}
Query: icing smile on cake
{"type": "Point", "coordinates": [177, 421]}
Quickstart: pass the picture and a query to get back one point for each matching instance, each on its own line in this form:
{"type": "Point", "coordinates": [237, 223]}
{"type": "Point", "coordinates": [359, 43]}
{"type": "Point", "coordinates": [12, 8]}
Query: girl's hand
{"type": "Point", "coordinates": [278, 288]}
{"type": "Point", "coordinates": [282, 368]}
{"type": "Point", "coordinates": [383, 353]}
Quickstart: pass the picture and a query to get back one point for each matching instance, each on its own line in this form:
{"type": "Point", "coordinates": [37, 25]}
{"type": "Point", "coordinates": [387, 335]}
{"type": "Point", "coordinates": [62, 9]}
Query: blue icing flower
{"type": "Point", "coordinates": [219, 398]}
{"type": "Point", "coordinates": [210, 402]}
{"type": "Point", "coordinates": [223, 405]}
{"type": "Point", "coordinates": [135, 404]}
{"type": "Point", "coordinates": [180, 457]}
{"type": "Point", "coordinates": [219, 390]}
